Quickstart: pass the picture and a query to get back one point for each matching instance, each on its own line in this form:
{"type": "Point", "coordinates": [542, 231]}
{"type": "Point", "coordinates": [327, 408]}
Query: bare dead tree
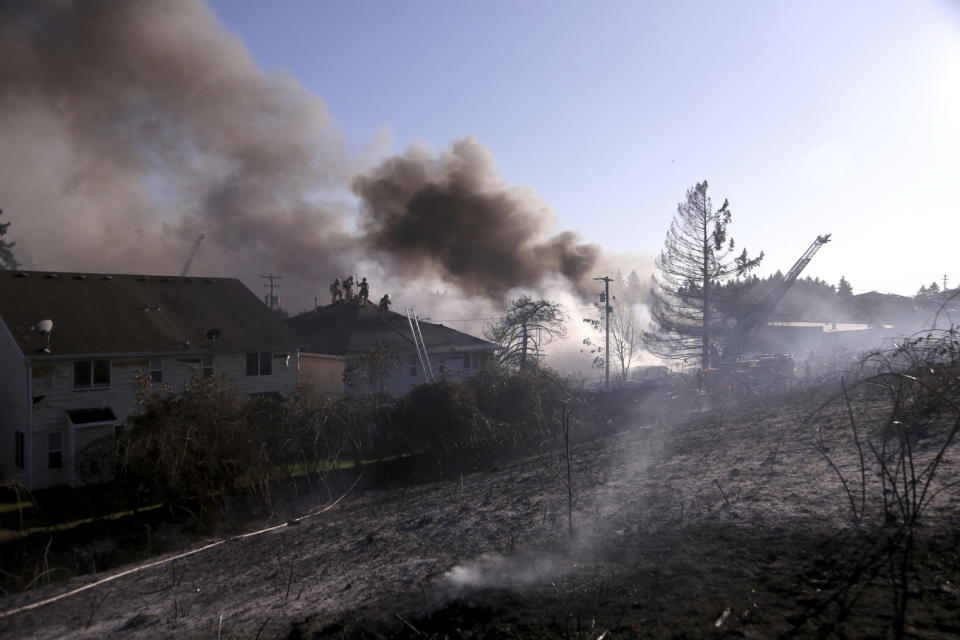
{"type": "Point", "coordinates": [526, 328]}
{"type": "Point", "coordinates": [626, 336]}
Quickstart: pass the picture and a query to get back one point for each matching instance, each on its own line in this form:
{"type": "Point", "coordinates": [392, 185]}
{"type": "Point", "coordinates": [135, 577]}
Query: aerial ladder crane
{"type": "Point", "coordinates": [738, 340]}
{"type": "Point", "coordinates": [193, 254]}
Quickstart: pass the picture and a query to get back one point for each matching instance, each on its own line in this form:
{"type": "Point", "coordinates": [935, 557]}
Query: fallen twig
{"type": "Point", "coordinates": [732, 510]}
{"type": "Point", "coordinates": [407, 622]}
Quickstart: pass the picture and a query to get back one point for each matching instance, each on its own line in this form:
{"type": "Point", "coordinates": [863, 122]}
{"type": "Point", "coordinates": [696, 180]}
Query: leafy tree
{"type": "Point", "coordinates": [526, 328]}
{"type": "Point", "coordinates": [372, 373]}
{"type": "Point", "coordinates": [7, 260]}
{"type": "Point", "coordinates": [697, 258]}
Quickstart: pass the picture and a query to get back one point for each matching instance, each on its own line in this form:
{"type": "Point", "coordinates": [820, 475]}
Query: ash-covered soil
{"type": "Point", "coordinates": [729, 524]}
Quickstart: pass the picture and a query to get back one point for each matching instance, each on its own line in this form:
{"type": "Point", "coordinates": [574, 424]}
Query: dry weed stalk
{"type": "Point", "coordinates": [567, 479]}
{"type": "Point", "coordinates": [95, 605]}
{"type": "Point", "coordinates": [286, 569]}
{"type": "Point", "coordinates": [917, 385]}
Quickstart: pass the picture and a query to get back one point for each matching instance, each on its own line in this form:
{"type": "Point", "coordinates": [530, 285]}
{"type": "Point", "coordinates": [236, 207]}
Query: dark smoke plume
{"type": "Point", "coordinates": [128, 127]}
{"type": "Point", "coordinates": [451, 215]}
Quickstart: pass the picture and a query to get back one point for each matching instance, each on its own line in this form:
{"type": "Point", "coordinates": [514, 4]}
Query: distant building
{"type": "Point", "coordinates": [343, 337]}
{"type": "Point", "coordinates": [71, 346]}
{"type": "Point", "coordinates": [803, 338]}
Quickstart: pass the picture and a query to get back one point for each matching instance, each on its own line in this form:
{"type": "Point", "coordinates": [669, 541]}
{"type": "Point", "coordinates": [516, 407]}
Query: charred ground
{"type": "Point", "coordinates": [731, 523]}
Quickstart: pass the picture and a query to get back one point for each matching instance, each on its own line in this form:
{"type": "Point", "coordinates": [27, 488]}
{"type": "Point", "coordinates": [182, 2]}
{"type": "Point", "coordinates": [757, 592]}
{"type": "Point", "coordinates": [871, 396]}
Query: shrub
{"type": "Point", "coordinates": [526, 402]}
{"type": "Point", "coordinates": [202, 444]}
{"type": "Point", "coordinates": [442, 419]}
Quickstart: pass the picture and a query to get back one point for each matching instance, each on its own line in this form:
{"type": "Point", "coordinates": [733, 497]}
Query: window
{"type": "Point", "coordinates": [259, 363]}
{"type": "Point", "coordinates": [208, 365]}
{"type": "Point", "coordinates": [156, 368]}
{"type": "Point", "coordinates": [91, 374]}
{"type": "Point", "coordinates": [18, 439]}
{"type": "Point", "coordinates": [55, 450]}
{"type": "Point", "coordinates": [466, 360]}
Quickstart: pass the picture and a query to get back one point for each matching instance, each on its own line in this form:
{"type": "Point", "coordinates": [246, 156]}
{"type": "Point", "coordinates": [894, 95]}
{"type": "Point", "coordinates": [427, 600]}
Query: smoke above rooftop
{"type": "Point", "coordinates": [451, 214]}
{"type": "Point", "coordinates": [131, 126]}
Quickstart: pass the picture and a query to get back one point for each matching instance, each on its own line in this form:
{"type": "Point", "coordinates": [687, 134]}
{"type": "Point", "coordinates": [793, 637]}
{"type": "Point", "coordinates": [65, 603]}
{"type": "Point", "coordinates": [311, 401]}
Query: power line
{"type": "Point", "coordinates": [494, 317]}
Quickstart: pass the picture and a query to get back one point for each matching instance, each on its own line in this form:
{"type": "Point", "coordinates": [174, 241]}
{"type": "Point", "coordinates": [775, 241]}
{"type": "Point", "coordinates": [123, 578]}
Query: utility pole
{"type": "Point", "coordinates": [272, 300]}
{"type": "Point", "coordinates": [607, 309]}
{"type": "Point", "coordinates": [944, 282]}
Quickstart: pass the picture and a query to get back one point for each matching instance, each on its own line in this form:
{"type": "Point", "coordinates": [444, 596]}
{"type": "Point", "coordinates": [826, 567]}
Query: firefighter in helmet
{"type": "Point", "coordinates": [348, 288]}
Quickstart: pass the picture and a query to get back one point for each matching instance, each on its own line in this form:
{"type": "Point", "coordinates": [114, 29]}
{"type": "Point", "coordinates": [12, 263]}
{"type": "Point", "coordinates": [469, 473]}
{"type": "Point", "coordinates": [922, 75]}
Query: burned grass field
{"type": "Point", "coordinates": [760, 521]}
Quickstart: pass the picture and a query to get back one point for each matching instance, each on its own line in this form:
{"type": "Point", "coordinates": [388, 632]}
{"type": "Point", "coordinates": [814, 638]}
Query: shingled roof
{"type": "Point", "coordinates": [106, 314]}
{"type": "Point", "coordinates": [348, 328]}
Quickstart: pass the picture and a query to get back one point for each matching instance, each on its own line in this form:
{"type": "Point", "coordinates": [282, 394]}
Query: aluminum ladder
{"type": "Point", "coordinates": [419, 344]}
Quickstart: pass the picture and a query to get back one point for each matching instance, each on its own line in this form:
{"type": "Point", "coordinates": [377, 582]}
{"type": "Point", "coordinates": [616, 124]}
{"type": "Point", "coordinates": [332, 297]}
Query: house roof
{"type": "Point", "coordinates": [98, 313]}
{"type": "Point", "coordinates": [830, 327]}
{"type": "Point", "coordinates": [346, 328]}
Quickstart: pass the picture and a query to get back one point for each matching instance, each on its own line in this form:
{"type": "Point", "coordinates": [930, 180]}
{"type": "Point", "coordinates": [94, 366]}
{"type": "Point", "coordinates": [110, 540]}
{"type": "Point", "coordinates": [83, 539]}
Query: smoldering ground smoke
{"type": "Point", "coordinates": [130, 126]}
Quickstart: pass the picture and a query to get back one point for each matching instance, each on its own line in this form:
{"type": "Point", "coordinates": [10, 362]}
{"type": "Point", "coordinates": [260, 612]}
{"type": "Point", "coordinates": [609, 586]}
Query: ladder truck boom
{"type": "Point", "coordinates": [193, 254]}
{"type": "Point", "coordinates": [738, 340]}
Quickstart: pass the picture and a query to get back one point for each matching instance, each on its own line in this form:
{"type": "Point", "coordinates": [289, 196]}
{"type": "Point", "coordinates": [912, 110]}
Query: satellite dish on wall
{"type": "Point", "coordinates": [213, 334]}
{"type": "Point", "coordinates": [44, 327]}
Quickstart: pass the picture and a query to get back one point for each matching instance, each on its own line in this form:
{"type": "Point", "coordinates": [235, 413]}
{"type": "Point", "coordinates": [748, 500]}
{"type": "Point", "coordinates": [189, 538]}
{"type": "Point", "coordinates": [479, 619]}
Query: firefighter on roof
{"type": "Point", "coordinates": [335, 292]}
{"type": "Point", "coordinates": [384, 306]}
{"type": "Point", "coordinates": [364, 290]}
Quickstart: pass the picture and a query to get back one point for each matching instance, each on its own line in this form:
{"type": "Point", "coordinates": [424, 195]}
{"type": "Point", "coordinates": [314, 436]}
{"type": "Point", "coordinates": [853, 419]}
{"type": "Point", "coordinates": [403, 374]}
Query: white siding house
{"type": "Point", "coordinates": [64, 391]}
{"type": "Point", "coordinates": [346, 333]}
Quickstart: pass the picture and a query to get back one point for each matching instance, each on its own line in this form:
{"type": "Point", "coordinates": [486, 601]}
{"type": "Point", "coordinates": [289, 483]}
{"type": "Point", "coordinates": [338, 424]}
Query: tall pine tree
{"type": "Point", "coordinates": [697, 258]}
